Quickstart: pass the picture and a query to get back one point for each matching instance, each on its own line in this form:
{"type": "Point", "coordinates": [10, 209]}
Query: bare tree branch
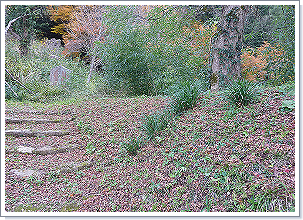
{"type": "Point", "coordinates": [18, 82]}
{"type": "Point", "coordinates": [15, 19]}
{"type": "Point", "coordinates": [12, 21]}
{"type": "Point", "coordinates": [12, 89]}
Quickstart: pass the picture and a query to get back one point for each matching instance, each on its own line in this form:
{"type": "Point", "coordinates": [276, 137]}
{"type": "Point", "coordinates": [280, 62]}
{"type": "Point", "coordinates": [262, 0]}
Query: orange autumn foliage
{"type": "Point", "coordinates": [61, 15]}
{"type": "Point", "coordinates": [83, 30]}
{"type": "Point", "coordinates": [255, 61]}
{"type": "Point", "coordinates": [79, 26]}
{"type": "Point", "coordinates": [201, 40]}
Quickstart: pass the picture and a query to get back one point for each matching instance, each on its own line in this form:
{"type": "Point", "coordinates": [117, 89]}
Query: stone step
{"type": "Point", "coordinates": [75, 166]}
{"type": "Point", "coordinates": [43, 150]}
{"type": "Point", "coordinates": [63, 168]}
{"type": "Point", "coordinates": [36, 112]}
{"type": "Point", "coordinates": [26, 172]}
{"type": "Point", "coordinates": [33, 133]}
{"type": "Point", "coordinates": [37, 121]}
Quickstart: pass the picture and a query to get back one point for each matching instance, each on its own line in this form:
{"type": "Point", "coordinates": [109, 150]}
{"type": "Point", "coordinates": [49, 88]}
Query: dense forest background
{"type": "Point", "coordinates": [136, 50]}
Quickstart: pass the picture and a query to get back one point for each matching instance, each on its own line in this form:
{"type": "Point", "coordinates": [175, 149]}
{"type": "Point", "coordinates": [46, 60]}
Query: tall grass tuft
{"type": "Point", "coordinates": [154, 123]}
{"type": "Point", "coordinates": [241, 93]}
{"type": "Point", "coordinates": [132, 145]}
{"type": "Point", "coordinates": [184, 96]}
{"type": "Point", "coordinates": [33, 72]}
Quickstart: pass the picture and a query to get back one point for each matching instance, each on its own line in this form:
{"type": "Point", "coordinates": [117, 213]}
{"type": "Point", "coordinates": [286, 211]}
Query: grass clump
{"type": "Point", "coordinates": [28, 78]}
{"type": "Point", "coordinates": [241, 93]}
{"type": "Point", "coordinates": [90, 148]}
{"type": "Point", "coordinates": [132, 145]}
{"type": "Point", "coordinates": [154, 123]}
{"type": "Point", "coordinates": [184, 96]}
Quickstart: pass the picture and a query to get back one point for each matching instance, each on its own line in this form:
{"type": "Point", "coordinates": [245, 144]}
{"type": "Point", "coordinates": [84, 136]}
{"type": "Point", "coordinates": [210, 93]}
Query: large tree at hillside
{"type": "Point", "coordinates": [227, 44]}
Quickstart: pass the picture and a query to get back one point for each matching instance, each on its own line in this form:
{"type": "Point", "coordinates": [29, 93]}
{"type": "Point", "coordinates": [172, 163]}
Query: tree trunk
{"type": "Point", "coordinates": [92, 64]}
{"type": "Point", "coordinates": [24, 42]}
{"type": "Point", "coordinates": [23, 49]}
{"type": "Point", "coordinates": [94, 56]}
{"type": "Point", "coordinates": [227, 44]}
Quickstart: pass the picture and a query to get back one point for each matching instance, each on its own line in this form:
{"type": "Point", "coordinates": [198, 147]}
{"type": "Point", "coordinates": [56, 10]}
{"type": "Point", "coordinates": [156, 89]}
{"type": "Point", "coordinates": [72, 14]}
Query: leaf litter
{"type": "Point", "coordinates": [215, 158]}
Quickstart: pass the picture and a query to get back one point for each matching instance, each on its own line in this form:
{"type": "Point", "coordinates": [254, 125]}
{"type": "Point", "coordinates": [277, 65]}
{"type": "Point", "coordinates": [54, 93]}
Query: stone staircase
{"type": "Point", "coordinates": [42, 133]}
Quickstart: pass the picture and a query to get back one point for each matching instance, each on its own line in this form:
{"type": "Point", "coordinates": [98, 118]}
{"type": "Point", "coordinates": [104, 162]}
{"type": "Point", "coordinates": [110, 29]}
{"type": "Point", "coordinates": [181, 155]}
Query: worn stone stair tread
{"type": "Point", "coordinates": [64, 168]}
{"type": "Point", "coordinates": [54, 150]}
{"type": "Point", "coordinates": [75, 166]}
{"type": "Point", "coordinates": [33, 133]}
{"type": "Point", "coordinates": [66, 112]}
{"type": "Point", "coordinates": [43, 150]}
{"type": "Point", "coordinates": [38, 121]}
{"type": "Point", "coordinates": [27, 172]}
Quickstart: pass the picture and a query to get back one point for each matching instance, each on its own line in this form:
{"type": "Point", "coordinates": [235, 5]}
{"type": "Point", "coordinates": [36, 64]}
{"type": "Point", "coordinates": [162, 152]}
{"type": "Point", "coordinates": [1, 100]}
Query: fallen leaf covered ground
{"type": "Point", "coordinates": [213, 158]}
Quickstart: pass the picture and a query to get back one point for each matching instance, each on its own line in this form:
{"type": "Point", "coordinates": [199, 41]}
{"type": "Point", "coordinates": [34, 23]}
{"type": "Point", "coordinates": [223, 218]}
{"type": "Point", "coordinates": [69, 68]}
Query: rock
{"type": "Point", "coordinates": [65, 112]}
{"type": "Point", "coordinates": [52, 44]}
{"type": "Point", "coordinates": [38, 121]}
{"type": "Point", "coordinates": [10, 149]}
{"type": "Point", "coordinates": [59, 75]}
{"type": "Point", "coordinates": [48, 150]}
{"type": "Point", "coordinates": [68, 167]}
{"type": "Point", "coordinates": [33, 133]}
{"type": "Point", "coordinates": [53, 150]}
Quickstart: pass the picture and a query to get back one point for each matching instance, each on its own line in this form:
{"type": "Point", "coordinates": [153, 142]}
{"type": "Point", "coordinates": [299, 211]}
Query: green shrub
{"type": "Point", "coordinates": [127, 62]}
{"type": "Point", "coordinates": [241, 93]}
{"type": "Point", "coordinates": [154, 123]}
{"type": "Point", "coordinates": [184, 96]}
{"type": "Point", "coordinates": [132, 145]}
